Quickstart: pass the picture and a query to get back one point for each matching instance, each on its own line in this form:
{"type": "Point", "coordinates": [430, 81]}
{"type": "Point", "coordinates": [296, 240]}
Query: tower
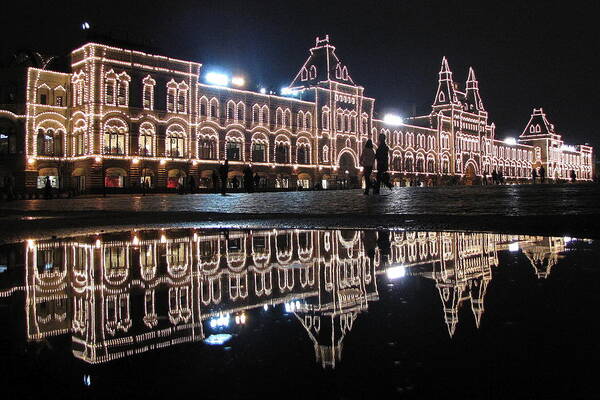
{"type": "Point", "coordinates": [445, 95]}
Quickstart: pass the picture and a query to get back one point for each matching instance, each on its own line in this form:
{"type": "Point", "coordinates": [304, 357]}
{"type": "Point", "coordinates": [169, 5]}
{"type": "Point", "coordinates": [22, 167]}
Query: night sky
{"type": "Point", "coordinates": [525, 54]}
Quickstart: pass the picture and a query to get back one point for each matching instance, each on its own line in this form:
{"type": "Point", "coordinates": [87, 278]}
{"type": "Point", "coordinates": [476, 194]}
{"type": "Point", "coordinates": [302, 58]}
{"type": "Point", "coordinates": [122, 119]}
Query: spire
{"type": "Point", "coordinates": [322, 65]}
{"type": "Point", "coordinates": [474, 102]}
{"type": "Point", "coordinates": [445, 94]}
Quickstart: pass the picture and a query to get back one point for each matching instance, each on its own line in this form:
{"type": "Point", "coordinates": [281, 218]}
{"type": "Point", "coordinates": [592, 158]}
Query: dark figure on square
{"type": "Point", "coordinates": [381, 155]}
{"type": "Point", "coordinates": [542, 174]}
{"type": "Point", "coordinates": [534, 174]}
{"type": "Point", "coordinates": [223, 172]}
{"type": "Point", "coordinates": [256, 181]}
{"type": "Point", "coordinates": [367, 159]}
{"type": "Point", "coordinates": [248, 179]}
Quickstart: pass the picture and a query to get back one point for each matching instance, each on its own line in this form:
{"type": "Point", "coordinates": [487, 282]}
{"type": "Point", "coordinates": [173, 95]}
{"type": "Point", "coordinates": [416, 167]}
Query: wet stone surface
{"type": "Point", "coordinates": [299, 314]}
{"type": "Point", "coordinates": [514, 200]}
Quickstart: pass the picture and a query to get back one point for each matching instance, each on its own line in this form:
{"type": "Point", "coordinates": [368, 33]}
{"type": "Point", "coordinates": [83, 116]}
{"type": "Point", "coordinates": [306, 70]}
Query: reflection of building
{"type": "Point", "coordinates": [121, 117]}
{"type": "Point", "coordinates": [126, 293]}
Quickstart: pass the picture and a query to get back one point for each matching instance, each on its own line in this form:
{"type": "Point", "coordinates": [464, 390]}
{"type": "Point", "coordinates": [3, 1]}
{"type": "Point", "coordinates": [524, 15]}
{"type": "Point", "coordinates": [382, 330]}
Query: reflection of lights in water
{"type": "Point", "coordinates": [98, 243]}
{"type": "Point", "coordinates": [396, 272]}
{"type": "Point", "coordinates": [567, 239]}
{"type": "Point", "coordinates": [265, 307]}
{"type": "Point", "coordinates": [218, 339]}
{"type": "Point", "coordinates": [135, 241]}
{"type": "Point", "coordinates": [163, 239]}
{"type": "Point", "coordinates": [240, 319]}
{"type": "Point", "coordinates": [87, 380]}
{"type": "Point", "coordinates": [220, 321]}
{"type": "Point", "coordinates": [513, 246]}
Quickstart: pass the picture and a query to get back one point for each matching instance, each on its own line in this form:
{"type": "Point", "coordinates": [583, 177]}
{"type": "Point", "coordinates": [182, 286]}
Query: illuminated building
{"type": "Point", "coordinates": [123, 118]}
{"type": "Point", "coordinates": [121, 294]}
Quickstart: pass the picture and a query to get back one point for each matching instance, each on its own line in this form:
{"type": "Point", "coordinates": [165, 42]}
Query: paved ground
{"type": "Point", "coordinates": [523, 200]}
{"type": "Point", "coordinates": [570, 210]}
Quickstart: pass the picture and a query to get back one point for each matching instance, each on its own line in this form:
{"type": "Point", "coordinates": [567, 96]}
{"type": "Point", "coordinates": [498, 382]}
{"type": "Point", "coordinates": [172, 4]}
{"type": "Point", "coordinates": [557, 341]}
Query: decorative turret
{"type": "Point", "coordinates": [539, 126]}
{"type": "Point", "coordinates": [473, 99]}
{"type": "Point", "coordinates": [445, 94]}
{"type": "Point", "coordinates": [322, 65]}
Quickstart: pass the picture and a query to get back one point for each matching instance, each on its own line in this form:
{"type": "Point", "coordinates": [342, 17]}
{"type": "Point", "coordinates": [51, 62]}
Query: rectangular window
{"type": "Point", "coordinates": [43, 99]}
{"type": "Point", "coordinates": [59, 101]}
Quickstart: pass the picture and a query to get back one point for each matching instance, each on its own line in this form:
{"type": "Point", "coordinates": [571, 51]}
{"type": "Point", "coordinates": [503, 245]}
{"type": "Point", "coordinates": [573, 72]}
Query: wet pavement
{"type": "Point", "coordinates": [509, 200]}
{"type": "Point", "coordinates": [299, 314]}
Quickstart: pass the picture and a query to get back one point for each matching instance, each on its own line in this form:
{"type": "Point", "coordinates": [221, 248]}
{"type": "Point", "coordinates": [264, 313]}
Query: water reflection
{"type": "Point", "coordinates": [122, 294]}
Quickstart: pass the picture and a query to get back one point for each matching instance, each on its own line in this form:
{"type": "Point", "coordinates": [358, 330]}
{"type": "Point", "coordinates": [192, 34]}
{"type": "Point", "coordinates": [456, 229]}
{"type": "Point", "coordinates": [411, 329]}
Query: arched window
{"type": "Point", "coordinates": [207, 147]}
{"type": "Point", "coordinates": [325, 153]}
{"type": "Point", "coordinates": [279, 118]}
{"type": "Point", "coordinates": [146, 139]}
{"type": "Point", "coordinates": [115, 137]}
{"type": "Point", "coordinates": [352, 123]}
{"type": "Point", "coordinates": [255, 114]}
{"type": "Point", "coordinates": [308, 121]}
{"type": "Point", "coordinates": [264, 115]}
{"type": "Point", "coordinates": [396, 162]}
{"type": "Point", "coordinates": [148, 95]}
{"type": "Point", "coordinates": [204, 113]}
{"type": "Point", "coordinates": [171, 96]}
{"type": "Point", "coordinates": [241, 113]}
{"type": "Point", "coordinates": [175, 145]}
{"type": "Point", "coordinates": [408, 163]}
{"type": "Point", "coordinates": [300, 120]}
{"type": "Point", "coordinates": [234, 146]}
{"type": "Point", "coordinates": [303, 151]}
{"type": "Point", "coordinates": [182, 91]}
{"type": "Point", "coordinates": [420, 165]}
{"type": "Point", "coordinates": [287, 117]}
{"type": "Point", "coordinates": [259, 148]}
{"type": "Point", "coordinates": [50, 142]}
{"type": "Point", "coordinates": [282, 150]}
{"type": "Point", "coordinates": [230, 111]}
{"type": "Point", "coordinates": [325, 118]}
{"type": "Point", "coordinates": [214, 109]}
{"type": "Point", "coordinates": [123, 95]}
{"type": "Point", "coordinates": [430, 165]}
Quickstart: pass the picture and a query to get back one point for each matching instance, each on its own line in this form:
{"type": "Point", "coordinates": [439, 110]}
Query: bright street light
{"type": "Point", "coordinates": [215, 78]}
{"type": "Point", "coordinates": [391, 119]}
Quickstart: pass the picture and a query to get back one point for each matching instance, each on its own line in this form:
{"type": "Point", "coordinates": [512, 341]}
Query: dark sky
{"type": "Point", "coordinates": [526, 54]}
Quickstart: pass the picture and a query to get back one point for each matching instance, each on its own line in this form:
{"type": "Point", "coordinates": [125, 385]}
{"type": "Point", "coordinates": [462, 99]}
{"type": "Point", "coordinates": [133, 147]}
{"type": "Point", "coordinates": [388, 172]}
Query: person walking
{"type": "Point", "coordinates": [223, 172]}
{"type": "Point", "coordinates": [215, 181]}
{"type": "Point", "coordinates": [534, 175]}
{"type": "Point", "coordinates": [256, 181]}
{"type": "Point", "coordinates": [484, 182]}
{"type": "Point", "coordinates": [494, 177]}
{"type": "Point", "coordinates": [192, 184]}
{"type": "Point", "coordinates": [367, 159]}
{"type": "Point", "coordinates": [248, 179]}
{"type": "Point", "coordinates": [47, 188]}
{"type": "Point", "coordinates": [542, 174]}
{"type": "Point", "coordinates": [381, 155]}
{"type": "Point", "coordinates": [573, 176]}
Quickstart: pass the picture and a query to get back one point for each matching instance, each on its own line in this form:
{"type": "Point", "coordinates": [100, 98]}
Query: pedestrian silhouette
{"type": "Point", "coordinates": [223, 172]}
{"type": "Point", "coordinates": [248, 179]}
{"type": "Point", "coordinates": [542, 174]}
{"type": "Point", "coordinates": [534, 174]}
{"type": "Point", "coordinates": [381, 155]}
{"type": "Point", "coordinates": [367, 159]}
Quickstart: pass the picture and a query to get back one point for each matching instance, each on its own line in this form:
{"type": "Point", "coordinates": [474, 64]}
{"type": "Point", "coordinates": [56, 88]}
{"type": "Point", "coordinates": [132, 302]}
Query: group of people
{"type": "Point", "coordinates": [367, 161]}
{"type": "Point", "coordinates": [541, 173]}
{"type": "Point", "coordinates": [251, 180]}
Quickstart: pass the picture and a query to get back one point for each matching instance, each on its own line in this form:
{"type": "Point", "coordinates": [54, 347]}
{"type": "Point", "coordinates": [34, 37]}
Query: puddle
{"type": "Point", "coordinates": [309, 313]}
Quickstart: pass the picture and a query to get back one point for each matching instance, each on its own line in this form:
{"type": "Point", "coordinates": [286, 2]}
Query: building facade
{"type": "Point", "coordinates": [127, 119]}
